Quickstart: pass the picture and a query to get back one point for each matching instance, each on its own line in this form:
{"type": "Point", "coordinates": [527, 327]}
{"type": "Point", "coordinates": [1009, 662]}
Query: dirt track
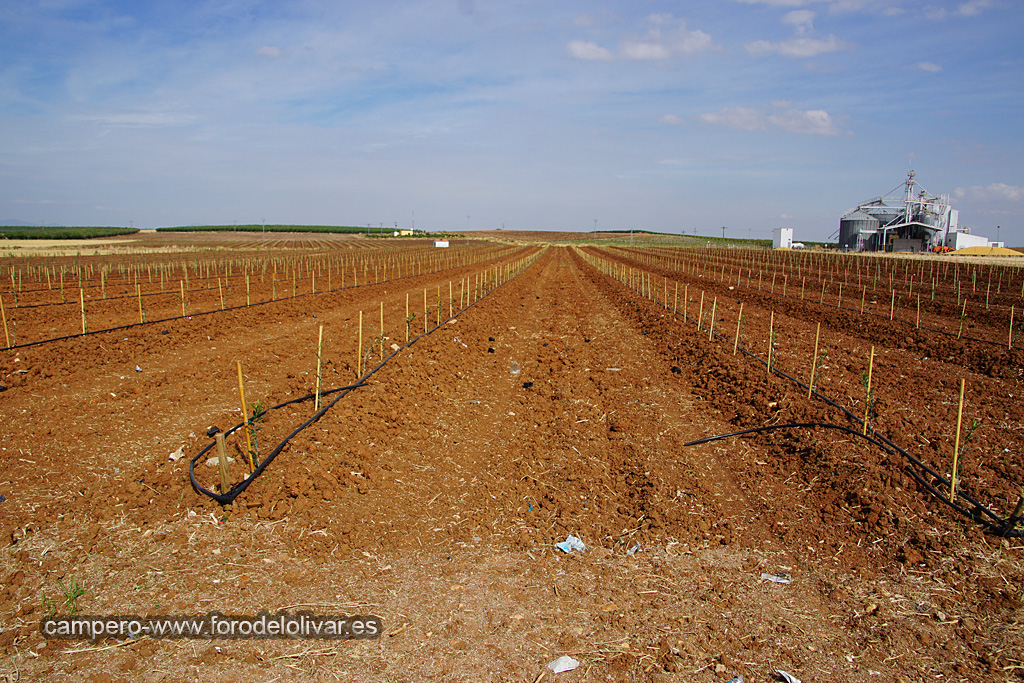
{"type": "Point", "coordinates": [433, 496]}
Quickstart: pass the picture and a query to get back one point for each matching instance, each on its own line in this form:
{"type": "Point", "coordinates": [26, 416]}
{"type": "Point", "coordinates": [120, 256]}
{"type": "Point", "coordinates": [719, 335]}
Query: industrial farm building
{"type": "Point", "coordinates": [911, 221]}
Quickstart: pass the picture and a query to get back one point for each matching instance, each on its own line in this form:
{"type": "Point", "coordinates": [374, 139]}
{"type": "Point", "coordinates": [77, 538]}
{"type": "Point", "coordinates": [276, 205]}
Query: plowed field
{"type": "Point", "coordinates": [433, 496]}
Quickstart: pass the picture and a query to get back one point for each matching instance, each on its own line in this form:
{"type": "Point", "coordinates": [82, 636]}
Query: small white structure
{"type": "Point", "coordinates": [782, 238]}
{"type": "Point", "coordinates": [962, 240]}
{"type": "Point", "coordinates": [442, 244]}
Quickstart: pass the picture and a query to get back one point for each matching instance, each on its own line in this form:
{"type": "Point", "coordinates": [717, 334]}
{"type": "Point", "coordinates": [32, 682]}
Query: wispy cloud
{"type": "Point", "coordinates": [671, 120]}
{"type": "Point", "coordinates": [802, 20]}
{"type": "Point", "coordinates": [269, 51]}
{"type": "Point", "coordinates": [972, 8]}
{"type": "Point", "coordinates": [809, 122]}
{"type": "Point", "coordinates": [993, 192]}
{"type": "Point", "coordinates": [928, 66]}
{"type": "Point", "coordinates": [740, 118]}
{"type": "Point", "coordinates": [806, 122]}
{"type": "Point", "coordinates": [667, 37]}
{"type": "Point", "coordinates": [798, 48]}
{"type": "Point", "coordinates": [589, 51]}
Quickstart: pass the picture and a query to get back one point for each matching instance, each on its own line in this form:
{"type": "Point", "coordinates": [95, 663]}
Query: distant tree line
{"type": "Point", "coordinates": [62, 232]}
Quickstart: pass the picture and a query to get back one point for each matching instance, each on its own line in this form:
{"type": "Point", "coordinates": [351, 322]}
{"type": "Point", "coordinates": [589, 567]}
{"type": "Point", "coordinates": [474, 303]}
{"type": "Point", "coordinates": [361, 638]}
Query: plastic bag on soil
{"type": "Point", "coordinates": [570, 544]}
{"type": "Point", "coordinates": [563, 663]}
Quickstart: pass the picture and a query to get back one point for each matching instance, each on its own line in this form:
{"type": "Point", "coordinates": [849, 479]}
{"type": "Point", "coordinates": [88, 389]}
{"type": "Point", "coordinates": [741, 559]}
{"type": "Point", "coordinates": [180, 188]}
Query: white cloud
{"type": "Point", "coordinates": [657, 44]}
{"type": "Point", "coordinates": [269, 51]}
{"type": "Point", "coordinates": [645, 50]}
{"type": "Point", "coordinates": [973, 8]}
{"type": "Point", "coordinates": [740, 118]}
{"type": "Point", "coordinates": [810, 122]}
{"type": "Point", "coordinates": [993, 192]}
{"type": "Point", "coordinates": [671, 120]}
{"type": "Point", "coordinates": [928, 66]}
{"type": "Point", "coordinates": [802, 20]}
{"type": "Point", "coordinates": [797, 47]}
{"type": "Point", "coordinates": [778, 3]}
{"type": "Point", "coordinates": [584, 20]}
{"type": "Point", "coordinates": [589, 51]}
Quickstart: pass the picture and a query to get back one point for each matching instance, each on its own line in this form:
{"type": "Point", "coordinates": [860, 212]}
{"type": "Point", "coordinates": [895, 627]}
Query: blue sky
{"type": "Point", "coordinates": [669, 116]}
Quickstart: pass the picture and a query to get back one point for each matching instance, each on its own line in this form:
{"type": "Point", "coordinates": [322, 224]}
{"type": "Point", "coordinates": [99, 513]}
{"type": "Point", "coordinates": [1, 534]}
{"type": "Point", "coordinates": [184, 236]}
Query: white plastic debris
{"type": "Point", "coordinates": [514, 369]}
{"type": "Point", "coordinates": [777, 578]}
{"type": "Point", "coordinates": [214, 461]}
{"type": "Point", "coordinates": [563, 663]}
{"type": "Point", "coordinates": [177, 455]}
{"type": "Point", "coordinates": [570, 544]}
{"type": "Point", "coordinates": [635, 549]}
{"type": "Point", "coordinates": [789, 678]}
{"type": "Point", "coordinates": [138, 369]}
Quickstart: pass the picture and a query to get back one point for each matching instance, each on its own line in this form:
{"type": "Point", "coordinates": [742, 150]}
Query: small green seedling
{"type": "Point", "coordinates": [71, 592]}
{"type": "Point", "coordinates": [258, 412]}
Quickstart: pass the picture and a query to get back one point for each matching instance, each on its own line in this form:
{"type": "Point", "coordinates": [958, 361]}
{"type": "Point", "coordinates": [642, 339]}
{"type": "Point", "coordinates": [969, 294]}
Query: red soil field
{"type": "Point", "coordinates": [433, 496]}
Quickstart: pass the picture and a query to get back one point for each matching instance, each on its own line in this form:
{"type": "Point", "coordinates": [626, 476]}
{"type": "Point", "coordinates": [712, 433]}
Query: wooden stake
{"type": "Point", "coordinates": [81, 299]}
{"type": "Point", "coordinates": [675, 306]}
{"type": "Point", "coordinates": [918, 311]}
{"type": "Point", "coordinates": [840, 295]}
{"type": "Point", "coordinates": [700, 314]}
{"type": "Point", "coordinates": [711, 327]}
{"type": "Point", "coordinates": [425, 311]}
{"type": "Point", "coordinates": [1010, 338]}
{"type": "Point", "coordinates": [6, 334]}
{"type": "Point", "coordinates": [138, 293]}
{"type": "Point", "coordinates": [222, 462]}
{"type": "Point", "coordinates": [319, 366]}
{"type": "Point", "coordinates": [771, 331]}
{"type": "Point", "coordinates": [407, 322]}
{"type": "Point", "coordinates": [863, 293]}
{"type": "Point", "coordinates": [814, 362]}
{"type": "Point", "coordinates": [359, 349]}
{"type": "Point", "coordinates": [736, 341]}
{"type": "Point", "coordinates": [963, 316]}
{"type": "Point", "coordinates": [382, 331]}
{"type": "Point", "coordinates": [867, 396]}
{"type": "Point", "coordinates": [247, 300]}
{"type": "Point", "coordinates": [956, 446]}
{"type": "Point", "coordinates": [245, 420]}
{"type": "Point", "coordinates": [183, 312]}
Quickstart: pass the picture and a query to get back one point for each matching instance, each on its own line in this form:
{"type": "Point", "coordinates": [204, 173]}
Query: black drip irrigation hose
{"type": "Point", "coordinates": [229, 497]}
{"type": "Point", "coordinates": [867, 313]}
{"type": "Point", "coordinates": [196, 315]}
{"type": "Point", "coordinates": [978, 513]}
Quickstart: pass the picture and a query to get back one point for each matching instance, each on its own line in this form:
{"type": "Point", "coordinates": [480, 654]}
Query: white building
{"type": "Point", "coordinates": [782, 238]}
{"type": "Point", "coordinates": [962, 240]}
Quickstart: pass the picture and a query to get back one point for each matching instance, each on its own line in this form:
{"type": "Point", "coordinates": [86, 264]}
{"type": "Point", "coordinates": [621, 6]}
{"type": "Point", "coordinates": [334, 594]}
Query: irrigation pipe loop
{"type": "Point", "coordinates": [228, 497]}
{"type": "Point", "coordinates": [978, 513]}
